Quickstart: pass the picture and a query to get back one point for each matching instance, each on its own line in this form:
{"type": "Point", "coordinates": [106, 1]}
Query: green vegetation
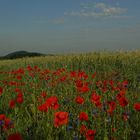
{"type": "Point", "coordinates": [103, 85]}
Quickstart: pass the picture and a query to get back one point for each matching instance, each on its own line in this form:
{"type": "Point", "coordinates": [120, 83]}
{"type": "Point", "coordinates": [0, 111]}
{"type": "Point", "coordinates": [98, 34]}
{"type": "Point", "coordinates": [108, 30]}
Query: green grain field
{"type": "Point", "coordinates": [71, 97]}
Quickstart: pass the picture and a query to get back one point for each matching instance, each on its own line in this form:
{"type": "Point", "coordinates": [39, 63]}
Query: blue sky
{"type": "Point", "coordinates": [63, 26]}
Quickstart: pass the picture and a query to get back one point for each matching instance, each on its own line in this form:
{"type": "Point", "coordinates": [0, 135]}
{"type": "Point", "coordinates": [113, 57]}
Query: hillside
{"type": "Point", "coordinates": [21, 54]}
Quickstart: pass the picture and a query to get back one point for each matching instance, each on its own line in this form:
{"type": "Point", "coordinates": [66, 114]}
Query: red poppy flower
{"type": "Point", "coordinates": [83, 89]}
{"type": "Point", "coordinates": [20, 95]}
{"type": "Point", "coordinates": [98, 83]}
{"type": "Point", "coordinates": [118, 96]}
{"type": "Point", "coordinates": [104, 89]}
{"type": "Point", "coordinates": [79, 83]}
{"type": "Point", "coordinates": [83, 129]}
{"type": "Point", "coordinates": [15, 136]}
{"type": "Point", "coordinates": [125, 83]}
{"type": "Point", "coordinates": [19, 77]}
{"type": "Point", "coordinates": [95, 97]}
{"type": "Point", "coordinates": [62, 79]}
{"type": "Point", "coordinates": [12, 104]}
{"type": "Point", "coordinates": [8, 124]}
{"type": "Point", "coordinates": [73, 74]}
{"type": "Point", "coordinates": [82, 74]}
{"type": "Point", "coordinates": [43, 107]}
{"type": "Point", "coordinates": [29, 68]}
{"type": "Point", "coordinates": [79, 100]}
{"type": "Point", "coordinates": [43, 94]}
{"type": "Point", "coordinates": [123, 101]}
{"type": "Point", "coordinates": [98, 104]}
{"type": "Point", "coordinates": [52, 102]}
{"type": "Point", "coordinates": [7, 121]}
{"type": "Point", "coordinates": [20, 71]}
{"type": "Point", "coordinates": [137, 106]}
{"type": "Point", "coordinates": [19, 100]}
{"type": "Point", "coordinates": [90, 134]}
{"type": "Point", "coordinates": [2, 117]}
{"type": "Point", "coordinates": [17, 90]}
{"type": "Point", "coordinates": [1, 90]}
{"type": "Point", "coordinates": [61, 118]}
{"type": "Point", "coordinates": [105, 83]}
{"type": "Point", "coordinates": [83, 116]}
{"type": "Point", "coordinates": [122, 92]}
{"type": "Point", "coordinates": [111, 82]}
{"type": "Point", "coordinates": [112, 107]}
{"type": "Point", "coordinates": [12, 83]}
{"type": "Point", "coordinates": [93, 75]}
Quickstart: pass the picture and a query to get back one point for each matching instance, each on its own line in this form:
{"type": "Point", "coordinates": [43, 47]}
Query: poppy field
{"type": "Point", "coordinates": [93, 96]}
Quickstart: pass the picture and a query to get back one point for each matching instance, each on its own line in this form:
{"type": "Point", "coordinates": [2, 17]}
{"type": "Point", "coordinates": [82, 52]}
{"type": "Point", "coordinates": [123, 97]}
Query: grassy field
{"type": "Point", "coordinates": [71, 97]}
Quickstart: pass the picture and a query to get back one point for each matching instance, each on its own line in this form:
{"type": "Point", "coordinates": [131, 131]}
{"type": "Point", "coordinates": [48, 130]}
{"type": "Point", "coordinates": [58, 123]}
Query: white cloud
{"type": "Point", "coordinates": [97, 10]}
{"type": "Point", "coordinates": [113, 10]}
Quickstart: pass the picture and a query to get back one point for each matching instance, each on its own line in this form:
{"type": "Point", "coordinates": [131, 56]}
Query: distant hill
{"type": "Point", "coordinates": [21, 54]}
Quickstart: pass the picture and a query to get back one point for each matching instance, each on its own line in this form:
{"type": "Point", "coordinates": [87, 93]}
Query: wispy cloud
{"type": "Point", "coordinates": [97, 10]}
